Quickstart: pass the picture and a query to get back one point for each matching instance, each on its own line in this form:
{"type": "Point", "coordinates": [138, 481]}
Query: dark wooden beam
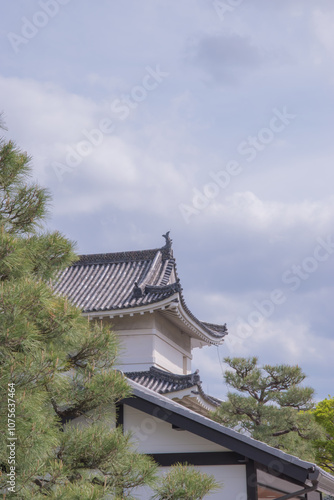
{"type": "Point", "coordinates": [251, 480]}
{"type": "Point", "coordinates": [201, 458]}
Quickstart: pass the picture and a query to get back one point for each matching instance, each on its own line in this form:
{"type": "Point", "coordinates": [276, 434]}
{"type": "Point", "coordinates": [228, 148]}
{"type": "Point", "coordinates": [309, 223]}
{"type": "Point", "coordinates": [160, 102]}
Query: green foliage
{"type": "Point", "coordinates": [184, 482]}
{"type": "Point", "coordinates": [324, 448]}
{"type": "Point", "coordinates": [22, 205]}
{"type": "Point", "coordinates": [270, 405]}
{"type": "Point", "coordinates": [61, 364]}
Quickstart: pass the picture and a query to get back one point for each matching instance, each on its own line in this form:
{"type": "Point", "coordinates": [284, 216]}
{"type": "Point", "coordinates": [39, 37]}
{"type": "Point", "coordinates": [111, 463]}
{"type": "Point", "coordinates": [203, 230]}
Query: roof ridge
{"type": "Point", "coordinates": [131, 255]}
{"type": "Point", "coordinates": [103, 258]}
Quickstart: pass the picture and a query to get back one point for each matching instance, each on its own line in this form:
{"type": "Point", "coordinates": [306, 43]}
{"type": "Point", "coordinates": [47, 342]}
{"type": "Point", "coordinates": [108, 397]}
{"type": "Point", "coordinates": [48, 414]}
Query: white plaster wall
{"type": "Point", "coordinates": [141, 349]}
{"type": "Point", "coordinates": [167, 356]}
{"type": "Point", "coordinates": [151, 340]}
{"type": "Point", "coordinates": [153, 435]}
{"type": "Point", "coordinates": [171, 331]}
{"type": "Point", "coordinates": [231, 477]}
{"type": "Point", "coordinates": [148, 347]}
{"type": "Point", "coordinates": [135, 322]}
{"type": "Point", "coordinates": [135, 348]}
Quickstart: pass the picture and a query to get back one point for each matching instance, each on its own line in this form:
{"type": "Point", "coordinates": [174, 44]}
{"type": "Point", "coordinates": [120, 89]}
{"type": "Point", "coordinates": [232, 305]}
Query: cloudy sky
{"type": "Point", "coordinates": [209, 118]}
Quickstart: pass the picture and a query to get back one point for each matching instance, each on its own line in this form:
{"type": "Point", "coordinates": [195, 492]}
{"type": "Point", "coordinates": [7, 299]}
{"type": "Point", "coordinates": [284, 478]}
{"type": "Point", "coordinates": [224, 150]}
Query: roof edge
{"type": "Point", "coordinates": [203, 332]}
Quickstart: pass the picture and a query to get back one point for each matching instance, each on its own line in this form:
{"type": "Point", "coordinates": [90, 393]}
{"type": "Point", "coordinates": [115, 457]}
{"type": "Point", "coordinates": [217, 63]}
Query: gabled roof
{"type": "Point", "coordinates": [139, 281]}
{"type": "Point", "coordinates": [185, 389]}
{"type": "Point", "coordinates": [279, 462]}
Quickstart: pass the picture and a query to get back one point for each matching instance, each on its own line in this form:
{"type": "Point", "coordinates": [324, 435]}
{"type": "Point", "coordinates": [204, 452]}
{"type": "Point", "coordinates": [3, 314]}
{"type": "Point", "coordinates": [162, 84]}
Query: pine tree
{"type": "Point", "coordinates": [270, 405]}
{"type": "Point", "coordinates": [184, 482]}
{"type": "Point", "coordinates": [324, 448]}
{"type": "Point", "coordinates": [58, 386]}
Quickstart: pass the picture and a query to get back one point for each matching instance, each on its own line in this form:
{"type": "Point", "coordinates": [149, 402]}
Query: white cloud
{"type": "Point", "coordinates": [323, 20]}
{"type": "Point", "coordinates": [116, 173]}
{"type": "Point", "coordinates": [247, 210]}
{"type": "Point", "coordinates": [42, 117]}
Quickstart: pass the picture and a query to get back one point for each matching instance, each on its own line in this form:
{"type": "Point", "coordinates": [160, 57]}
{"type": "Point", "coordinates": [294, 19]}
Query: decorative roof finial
{"type": "Point", "coordinates": [167, 249]}
{"type": "Point", "coordinates": [137, 291]}
{"type": "Point", "coordinates": [167, 238]}
{"type": "Point", "coordinates": [195, 378]}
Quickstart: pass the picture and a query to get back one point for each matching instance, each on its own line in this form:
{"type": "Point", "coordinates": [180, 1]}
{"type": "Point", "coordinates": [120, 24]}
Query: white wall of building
{"type": "Point", "coordinates": [151, 340]}
{"type": "Point", "coordinates": [153, 435]}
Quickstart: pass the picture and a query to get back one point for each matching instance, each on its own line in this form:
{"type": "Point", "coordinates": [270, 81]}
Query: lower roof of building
{"type": "Point", "coordinates": [167, 383]}
{"type": "Point", "coordinates": [149, 401]}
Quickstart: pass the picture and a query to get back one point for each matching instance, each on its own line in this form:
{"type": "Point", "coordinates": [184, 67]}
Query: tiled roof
{"type": "Point", "coordinates": [125, 280]}
{"type": "Point", "coordinates": [108, 281]}
{"type": "Point", "coordinates": [164, 382]}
